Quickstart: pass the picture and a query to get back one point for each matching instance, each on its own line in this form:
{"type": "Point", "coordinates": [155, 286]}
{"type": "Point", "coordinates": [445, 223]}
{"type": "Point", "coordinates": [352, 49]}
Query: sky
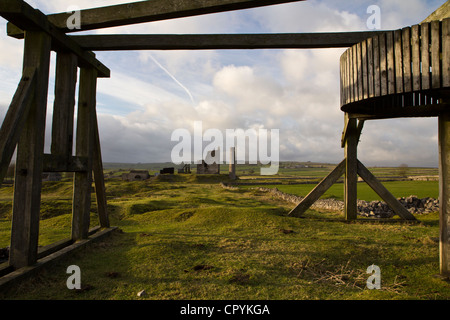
{"type": "Point", "coordinates": [152, 93]}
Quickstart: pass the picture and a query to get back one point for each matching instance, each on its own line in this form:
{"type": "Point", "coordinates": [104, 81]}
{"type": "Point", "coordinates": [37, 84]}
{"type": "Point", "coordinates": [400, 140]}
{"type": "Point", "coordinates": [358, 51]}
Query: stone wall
{"type": "Point", "coordinates": [377, 209]}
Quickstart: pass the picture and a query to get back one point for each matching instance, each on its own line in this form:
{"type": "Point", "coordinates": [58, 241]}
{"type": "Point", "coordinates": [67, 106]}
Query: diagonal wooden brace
{"type": "Point", "coordinates": [319, 190]}
{"type": "Point", "coordinates": [378, 187]}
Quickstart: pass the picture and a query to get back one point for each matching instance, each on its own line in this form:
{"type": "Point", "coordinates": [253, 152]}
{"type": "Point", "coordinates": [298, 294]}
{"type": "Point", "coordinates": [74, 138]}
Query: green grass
{"type": "Point", "coordinates": [399, 189]}
{"type": "Point", "coordinates": [188, 238]}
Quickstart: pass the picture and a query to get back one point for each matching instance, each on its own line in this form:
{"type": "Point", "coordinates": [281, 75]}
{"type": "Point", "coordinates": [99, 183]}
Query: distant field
{"type": "Point", "coordinates": [421, 189]}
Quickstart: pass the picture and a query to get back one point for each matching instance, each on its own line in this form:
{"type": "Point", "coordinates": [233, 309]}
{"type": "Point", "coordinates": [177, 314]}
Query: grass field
{"type": "Point", "coordinates": [185, 237]}
{"type": "Point", "coordinates": [399, 189]}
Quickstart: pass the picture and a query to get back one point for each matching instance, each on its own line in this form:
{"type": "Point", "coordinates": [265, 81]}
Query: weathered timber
{"type": "Point", "coordinates": [27, 18]}
{"type": "Point", "coordinates": [319, 190]}
{"type": "Point", "coordinates": [444, 192]}
{"type": "Point", "coordinates": [15, 119]}
{"type": "Point", "coordinates": [378, 187]}
{"type": "Point", "coordinates": [440, 13]}
{"type": "Point", "coordinates": [84, 148]}
{"type": "Point", "coordinates": [13, 278]}
{"type": "Point", "coordinates": [28, 178]}
{"type": "Point", "coordinates": [406, 68]}
{"type": "Point", "coordinates": [64, 105]}
{"type": "Point", "coordinates": [57, 163]}
{"type": "Point", "coordinates": [148, 11]}
{"type": "Point", "coordinates": [99, 180]}
{"type": "Point", "coordinates": [351, 178]}
{"type": "Point", "coordinates": [221, 41]}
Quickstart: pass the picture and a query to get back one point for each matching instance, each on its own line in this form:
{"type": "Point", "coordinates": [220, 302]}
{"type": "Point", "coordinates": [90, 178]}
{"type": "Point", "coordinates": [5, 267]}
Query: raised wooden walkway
{"type": "Point", "coordinates": [402, 73]}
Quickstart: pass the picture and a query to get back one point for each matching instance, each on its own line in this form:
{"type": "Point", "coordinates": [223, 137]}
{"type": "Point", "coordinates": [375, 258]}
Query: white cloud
{"type": "Point", "coordinates": [296, 91]}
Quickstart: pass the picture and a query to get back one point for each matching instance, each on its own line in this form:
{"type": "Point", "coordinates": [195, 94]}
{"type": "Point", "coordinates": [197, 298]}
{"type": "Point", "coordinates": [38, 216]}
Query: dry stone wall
{"type": "Point", "coordinates": [376, 209]}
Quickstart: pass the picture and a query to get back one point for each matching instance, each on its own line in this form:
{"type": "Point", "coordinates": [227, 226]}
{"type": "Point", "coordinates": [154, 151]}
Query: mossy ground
{"type": "Point", "coordinates": [189, 238]}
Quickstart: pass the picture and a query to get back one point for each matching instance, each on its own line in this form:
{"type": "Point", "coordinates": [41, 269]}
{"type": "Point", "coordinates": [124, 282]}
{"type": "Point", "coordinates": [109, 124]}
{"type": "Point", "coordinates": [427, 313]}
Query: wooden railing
{"type": "Point", "coordinates": [409, 66]}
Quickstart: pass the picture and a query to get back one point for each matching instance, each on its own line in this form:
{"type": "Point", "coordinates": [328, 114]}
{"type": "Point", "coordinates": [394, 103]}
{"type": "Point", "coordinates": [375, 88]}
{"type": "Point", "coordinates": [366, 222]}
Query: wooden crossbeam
{"type": "Point", "coordinates": [148, 11]}
{"type": "Point", "coordinates": [378, 187]}
{"type": "Point", "coordinates": [221, 41]}
{"type": "Point", "coordinates": [27, 18]}
{"type": "Point", "coordinates": [15, 119]}
{"type": "Point", "coordinates": [57, 163]}
{"type": "Point", "coordinates": [319, 190]}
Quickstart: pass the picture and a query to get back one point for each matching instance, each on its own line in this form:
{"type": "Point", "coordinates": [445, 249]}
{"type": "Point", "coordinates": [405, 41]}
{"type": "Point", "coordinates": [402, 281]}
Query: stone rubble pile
{"type": "Point", "coordinates": [375, 209]}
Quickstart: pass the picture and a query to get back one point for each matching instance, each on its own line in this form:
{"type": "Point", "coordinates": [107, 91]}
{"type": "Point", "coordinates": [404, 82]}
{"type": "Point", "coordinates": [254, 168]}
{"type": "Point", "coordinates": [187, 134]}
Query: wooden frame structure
{"type": "Point", "coordinates": [24, 123]}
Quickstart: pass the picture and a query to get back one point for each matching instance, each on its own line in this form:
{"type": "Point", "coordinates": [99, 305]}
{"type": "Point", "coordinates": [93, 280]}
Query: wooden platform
{"type": "Point", "coordinates": [401, 73]}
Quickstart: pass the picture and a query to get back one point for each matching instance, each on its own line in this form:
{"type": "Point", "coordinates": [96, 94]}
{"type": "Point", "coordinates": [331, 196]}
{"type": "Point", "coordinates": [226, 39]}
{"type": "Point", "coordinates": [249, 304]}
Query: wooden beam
{"type": "Point", "coordinates": [15, 119]}
{"type": "Point", "coordinates": [319, 190]}
{"type": "Point", "coordinates": [27, 18]}
{"type": "Point", "coordinates": [64, 105]}
{"type": "Point", "coordinates": [57, 163]}
{"type": "Point", "coordinates": [221, 41]}
{"type": "Point", "coordinates": [84, 148]}
{"type": "Point", "coordinates": [444, 192]}
{"type": "Point", "coordinates": [351, 178]}
{"type": "Point", "coordinates": [99, 180]}
{"type": "Point", "coordinates": [149, 11]}
{"type": "Point", "coordinates": [28, 178]}
{"type": "Point", "coordinates": [378, 187]}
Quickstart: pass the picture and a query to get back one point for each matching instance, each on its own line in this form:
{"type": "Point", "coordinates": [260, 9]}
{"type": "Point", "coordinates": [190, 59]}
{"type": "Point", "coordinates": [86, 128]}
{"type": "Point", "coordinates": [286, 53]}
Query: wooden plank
{"type": "Point", "coordinates": [56, 163]}
{"type": "Point", "coordinates": [15, 119]}
{"type": "Point", "coordinates": [355, 73]}
{"type": "Point", "coordinates": [149, 11]}
{"type": "Point", "coordinates": [407, 76]}
{"type": "Point", "coordinates": [425, 54]}
{"type": "Point", "coordinates": [435, 54]}
{"type": "Point", "coordinates": [390, 63]}
{"type": "Point", "coordinates": [370, 67]}
{"type": "Point", "coordinates": [351, 178]}
{"type": "Point", "coordinates": [97, 167]}
{"type": "Point", "coordinates": [415, 56]}
{"type": "Point", "coordinates": [28, 179]}
{"type": "Point", "coordinates": [13, 279]}
{"type": "Point", "coordinates": [26, 17]}
{"type": "Point", "coordinates": [376, 67]}
{"type": "Point", "coordinates": [64, 105]}
{"type": "Point", "coordinates": [378, 187]}
{"type": "Point", "coordinates": [359, 64]}
{"type": "Point", "coordinates": [383, 65]}
{"type": "Point", "coordinates": [365, 75]}
{"type": "Point", "coordinates": [444, 192]}
{"type": "Point", "coordinates": [446, 53]}
{"type": "Point", "coordinates": [319, 190]}
{"type": "Point", "coordinates": [84, 148]}
{"type": "Point", "coordinates": [350, 72]}
{"type": "Point", "coordinates": [398, 50]}
{"type": "Point", "coordinates": [318, 40]}
{"type": "Point", "coordinates": [342, 81]}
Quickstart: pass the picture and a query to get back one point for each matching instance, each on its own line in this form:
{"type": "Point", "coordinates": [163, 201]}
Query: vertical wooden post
{"type": "Point", "coordinates": [351, 167]}
{"type": "Point", "coordinates": [97, 166]}
{"type": "Point", "coordinates": [64, 105]}
{"type": "Point", "coordinates": [84, 148]}
{"type": "Point", "coordinates": [28, 180]}
{"type": "Point", "coordinates": [444, 192]}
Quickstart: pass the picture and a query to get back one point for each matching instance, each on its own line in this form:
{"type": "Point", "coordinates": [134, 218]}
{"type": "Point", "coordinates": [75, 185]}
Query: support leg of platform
{"type": "Point", "coordinates": [351, 167]}
{"type": "Point", "coordinates": [444, 192]}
